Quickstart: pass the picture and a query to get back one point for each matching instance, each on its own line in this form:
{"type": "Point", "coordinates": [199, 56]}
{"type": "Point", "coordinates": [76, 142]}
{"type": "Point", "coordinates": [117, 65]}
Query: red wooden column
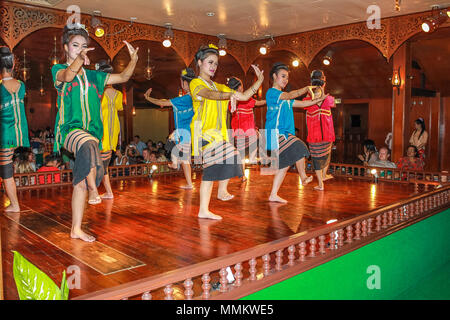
{"type": "Point", "coordinates": [401, 99]}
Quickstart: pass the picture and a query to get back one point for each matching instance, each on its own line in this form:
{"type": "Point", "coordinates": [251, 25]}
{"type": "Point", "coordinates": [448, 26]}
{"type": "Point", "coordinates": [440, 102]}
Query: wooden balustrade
{"type": "Point", "coordinates": [334, 240]}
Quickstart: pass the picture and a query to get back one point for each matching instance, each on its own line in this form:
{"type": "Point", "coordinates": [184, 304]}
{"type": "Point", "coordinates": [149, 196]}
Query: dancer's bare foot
{"type": "Point", "coordinates": [328, 177]}
{"type": "Point", "coordinates": [187, 186]}
{"type": "Point", "coordinates": [12, 208]}
{"type": "Point", "coordinates": [307, 180]}
{"type": "Point", "coordinates": [243, 179]}
{"type": "Point", "coordinates": [209, 215]}
{"type": "Point", "coordinates": [107, 196]}
{"type": "Point", "coordinates": [276, 198]}
{"type": "Point", "coordinates": [82, 236]}
{"type": "Point", "coordinates": [225, 196]}
{"type": "Point", "coordinates": [318, 188]}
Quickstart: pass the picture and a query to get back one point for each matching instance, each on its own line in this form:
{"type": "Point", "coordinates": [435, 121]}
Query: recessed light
{"type": "Point", "coordinates": [210, 14]}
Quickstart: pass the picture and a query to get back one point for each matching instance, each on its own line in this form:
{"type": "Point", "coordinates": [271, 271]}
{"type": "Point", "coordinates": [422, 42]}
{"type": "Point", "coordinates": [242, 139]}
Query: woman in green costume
{"type": "Point", "coordinates": [13, 124]}
{"type": "Point", "coordinates": [78, 126]}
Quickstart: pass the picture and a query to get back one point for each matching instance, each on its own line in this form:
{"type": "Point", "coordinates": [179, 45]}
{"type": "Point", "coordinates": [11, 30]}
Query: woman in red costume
{"type": "Point", "coordinates": [319, 121]}
{"type": "Point", "coordinates": [245, 132]}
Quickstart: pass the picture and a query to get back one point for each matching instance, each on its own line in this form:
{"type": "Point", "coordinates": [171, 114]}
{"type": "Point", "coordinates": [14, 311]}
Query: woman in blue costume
{"type": "Point", "coordinates": [280, 128]}
{"type": "Point", "coordinates": [13, 124]}
{"type": "Point", "coordinates": [183, 113]}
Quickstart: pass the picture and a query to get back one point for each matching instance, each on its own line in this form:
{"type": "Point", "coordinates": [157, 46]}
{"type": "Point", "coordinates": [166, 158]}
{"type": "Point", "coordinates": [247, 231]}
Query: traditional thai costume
{"type": "Point", "coordinates": [209, 134]}
{"type": "Point", "coordinates": [78, 126]}
{"type": "Point", "coordinates": [280, 130]}
{"type": "Point", "coordinates": [319, 121]}
{"type": "Point", "coordinates": [183, 111]}
{"type": "Point", "coordinates": [13, 127]}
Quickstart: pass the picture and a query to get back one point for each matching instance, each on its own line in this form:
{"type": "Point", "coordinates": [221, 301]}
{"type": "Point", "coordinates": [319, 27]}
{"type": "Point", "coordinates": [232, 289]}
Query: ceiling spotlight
{"type": "Point", "coordinates": [265, 47]}
{"type": "Point", "coordinates": [327, 59]}
{"type": "Point", "coordinates": [97, 25]}
{"type": "Point", "coordinates": [222, 44]}
{"type": "Point", "coordinates": [437, 18]}
{"type": "Point", "coordinates": [295, 63]}
{"type": "Point", "coordinates": [168, 36]}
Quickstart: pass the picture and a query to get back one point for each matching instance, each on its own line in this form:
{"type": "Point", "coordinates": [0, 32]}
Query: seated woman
{"type": "Point", "coordinates": [412, 161]}
{"type": "Point", "coordinates": [370, 153]}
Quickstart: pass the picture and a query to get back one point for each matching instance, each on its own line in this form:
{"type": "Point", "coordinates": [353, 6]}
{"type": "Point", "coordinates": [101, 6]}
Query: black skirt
{"type": "Point", "coordinates": [221, 161]}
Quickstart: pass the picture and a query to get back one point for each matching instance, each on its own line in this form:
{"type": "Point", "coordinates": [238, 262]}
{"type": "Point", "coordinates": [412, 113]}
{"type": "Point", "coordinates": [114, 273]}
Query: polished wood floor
{"type": "Point", "coordinates": [154, 223]}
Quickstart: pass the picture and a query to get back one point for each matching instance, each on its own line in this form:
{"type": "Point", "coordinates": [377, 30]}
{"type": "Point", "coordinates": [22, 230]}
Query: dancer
{"type": "Point", "coordinates": [245, 132]}
{"type": "Point", "coordinates": [209, 134]}
{"type": "Point", "coordinates": [319, 121]}
{"type": "Point", "coordinates": [78, 126]}
{"type": "Point", "coordinates": [280, 129]}
{"type": "Point", "coordinates": [112, 103]}
{"type": "Point", "coordinates": [13, 124]}
{"type": "Point", "coordinates": [183, 113]}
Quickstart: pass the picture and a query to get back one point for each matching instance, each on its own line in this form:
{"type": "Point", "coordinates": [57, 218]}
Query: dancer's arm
{"type": "Point", "coordinates": [159, 102]}
{"type": "Point", "coordinates": [259, 103]}
{"type": "Point", "coordinates": [68, 74]}
{"type": "Point", "coordinates": [297, 93]}
{"type": "Point", "coordinates": [245, 96]}
{"type": "Point", "coordinates": [308, 103]}
{"type": "Point", "coordinates": [126, 74]}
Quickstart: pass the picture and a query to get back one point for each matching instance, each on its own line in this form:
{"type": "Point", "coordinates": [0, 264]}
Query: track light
{"type": "Point", "coordinates": [328, 58]}
{"type": "Point", "coordinates": [168, 36]}
{"type": "Point", "coordinates": [437, 18]}
{"type": "Point", "coordinates": [222, 44]}
{"type": "Point", "coordinates": [97, 25]}
{"type": "Point", "coordinates": [265, 47]}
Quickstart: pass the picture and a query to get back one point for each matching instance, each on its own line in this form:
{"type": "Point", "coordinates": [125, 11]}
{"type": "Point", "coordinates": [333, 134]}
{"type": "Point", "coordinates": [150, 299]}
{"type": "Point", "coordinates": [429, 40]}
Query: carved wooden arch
{"type": "Point", "coordinates": [276, 48]}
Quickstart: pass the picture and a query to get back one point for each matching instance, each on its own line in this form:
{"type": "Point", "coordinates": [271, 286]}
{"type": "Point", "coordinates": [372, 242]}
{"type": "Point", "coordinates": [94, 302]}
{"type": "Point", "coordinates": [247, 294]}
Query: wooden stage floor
{"type": "Point", "coordinates": [152, 227]}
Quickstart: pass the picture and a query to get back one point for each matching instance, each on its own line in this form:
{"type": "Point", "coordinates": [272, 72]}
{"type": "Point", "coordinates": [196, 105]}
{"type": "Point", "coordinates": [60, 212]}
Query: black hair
{"type": "Point", "coordinates": [421, 122]}
{"type": "Point", "coordinates": [234, 83]}
{"type": "Point", "coordinates": [104, 66]}
{"type": "Point", "coordinates": [370, 145]}
{"type": "Point", "coordinates": [52, 157]}
{"type": "Point", "coordinates": [188, 74]}
{"type": "Point", "coordinates": [204, 52]}
{"type": "Point", "coordinates": [316, 78]}
{"type": "Point", "coordinates": [6, 59]}
{"type": "Point", "coordinates": [277, 66]}
{"type": "Point", "coordinates": [416, 152]}
{"type": "Point", "coordinates": [68, 33]}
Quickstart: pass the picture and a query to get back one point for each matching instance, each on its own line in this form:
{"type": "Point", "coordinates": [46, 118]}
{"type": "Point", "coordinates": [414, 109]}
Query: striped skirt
{"type": "Point", "coordinates": [221, 161]}
{"type": "Point", "coordinates": [320, 154]}
{"type": "Point", "coordinates": [6, 166]}
{"type": "Point", "coordinates": [87, 155]}
{"type": "Point", "coordinates": [245, 142]}
{"type": "Point", "coordinates": [290, 150]}
{"type": "Point", "coordinates": [106, 158]}
{"type": "Point", "coordinates": [182, 152]}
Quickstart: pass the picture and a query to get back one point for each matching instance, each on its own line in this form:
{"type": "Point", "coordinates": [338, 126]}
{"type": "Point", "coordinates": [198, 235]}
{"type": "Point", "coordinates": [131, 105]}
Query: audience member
{"type": "Point", "coordinates": [370, 152]}
{"type": "Point", "coordinates": [383, 161]}
{"type": "Point", "coordinates": [412, 161]}
{"type": "Point", "coordinates": [52, 163]}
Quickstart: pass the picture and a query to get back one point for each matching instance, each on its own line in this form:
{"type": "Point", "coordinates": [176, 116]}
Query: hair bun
{"type": "Point", "coordinates": [103, 65]}
{"type": "Point", "coordinates": [234, 83]}
{"type": "Point", "coordinates": [5, 50]}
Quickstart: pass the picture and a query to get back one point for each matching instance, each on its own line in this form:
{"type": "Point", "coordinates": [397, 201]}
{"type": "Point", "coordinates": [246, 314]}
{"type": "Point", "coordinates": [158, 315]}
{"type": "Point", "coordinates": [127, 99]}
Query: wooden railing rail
{"type": "Point", "coordinates": [266, 264]}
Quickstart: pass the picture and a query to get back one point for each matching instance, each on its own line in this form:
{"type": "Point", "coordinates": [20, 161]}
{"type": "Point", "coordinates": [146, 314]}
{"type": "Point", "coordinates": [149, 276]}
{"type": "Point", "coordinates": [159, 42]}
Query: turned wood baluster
{"type": "Point", "coordinates": [384, 226]}
{"type": "Point", "coordinates": [390, 218]}
{"type": "Point", "coordinates": [312, 247]}
{"type": "Point", "coordinates": [252, 264]}
{"type": "Point", "coordinates": [332, 240]}
{"type": "Point", "coordinates": [302, 251]}
{"type": "Point", "coordinates": [364, 228]}
{"type": "Point", "coordinates": [322, 244]}
{"type": "Point", "coordinates": [238, 274]}
{"type": "Point", "coordinates": [168, 291]}
{"type": "Point", "coordinates": [266, 264]}
{"type": "Point", "coordinates": [369, 225]}
{"type": "Point", "coordinates": [435, 201]}
{"type": "Point", "coordinates": [206, 286]}
{"type": "Point", "coordinates": [340, 238]}
{"type": "Point", "coordinates": [425, 205]}
{"type": "Point", "coordinates": [349, 234]}
{"type": "Point", "coordinates": [223, 280]}
{"type": "Point", "coordinates": [396, 216]}
{"type": "Point", "coordinates": [421, 206]}
{"type": "Point", "coordinates": [416, 210]}
{"type": "Point", "coordinates": [146, 296]}
{"type": "Point", "coordinates": [188, 292]}
{"type": "Point", "coordinates": [278, 260]}
{"type": "Point", "coordinates": [411, 210]}
{"type": "Point", "coordinates": [291, 256]}
{"type": "Point", "coordinates": [357, 231]}
{"type": "Point", "coordinates": [378, 223]}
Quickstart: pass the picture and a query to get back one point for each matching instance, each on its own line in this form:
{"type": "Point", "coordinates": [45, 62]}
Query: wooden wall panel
{"type": "Point", "coordinates": [380, 120]}
{"type": "Point", "coordinates": [40, 110]}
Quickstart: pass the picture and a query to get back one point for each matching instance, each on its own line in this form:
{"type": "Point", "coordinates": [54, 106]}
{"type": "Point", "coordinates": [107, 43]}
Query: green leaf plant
{"type": "Point", "coordinates": [33, 284]}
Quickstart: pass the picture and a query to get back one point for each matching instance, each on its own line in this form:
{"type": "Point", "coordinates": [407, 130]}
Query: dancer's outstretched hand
{"type": "Point", "coordinates": [258, 72]}
{"type": "Point", "coordinates": [132, 51]}
{"type": "Point", "coordinates": [83, 55]}
{"type": "Point", "coordinates": [233, 100]}
{"type": "Point", "coordinates": [147, 93]}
